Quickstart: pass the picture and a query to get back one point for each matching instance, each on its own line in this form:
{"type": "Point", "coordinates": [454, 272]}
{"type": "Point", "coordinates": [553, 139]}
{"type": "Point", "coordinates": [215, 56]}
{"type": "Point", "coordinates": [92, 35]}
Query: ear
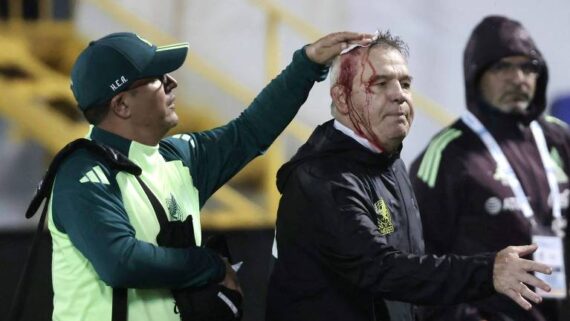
{"type": "Point", "coordinates": [119, 106]}
{"type": "Point", "coordinates": [339, 98]}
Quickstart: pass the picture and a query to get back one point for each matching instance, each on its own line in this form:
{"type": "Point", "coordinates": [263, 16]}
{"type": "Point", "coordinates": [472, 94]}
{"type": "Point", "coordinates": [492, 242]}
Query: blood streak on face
{"type": "Point", "coordinates": [360, 118]}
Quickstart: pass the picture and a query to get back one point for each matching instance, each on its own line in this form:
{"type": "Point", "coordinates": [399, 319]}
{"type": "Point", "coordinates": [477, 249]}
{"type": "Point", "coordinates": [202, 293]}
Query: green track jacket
{"type": "Point", "coordinates": [104, 228]}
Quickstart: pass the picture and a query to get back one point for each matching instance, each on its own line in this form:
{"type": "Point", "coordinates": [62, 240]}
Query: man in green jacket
{"type": "Point", "coordinates": [103, 225]}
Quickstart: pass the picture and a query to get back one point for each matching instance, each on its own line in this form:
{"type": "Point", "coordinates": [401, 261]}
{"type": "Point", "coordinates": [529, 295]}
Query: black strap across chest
{"type": "Point", "coordinates": [114, 160]}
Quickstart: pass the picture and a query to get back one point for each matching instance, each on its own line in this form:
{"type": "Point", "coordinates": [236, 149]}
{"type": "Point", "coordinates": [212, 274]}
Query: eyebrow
{"type": "Point", "coordinates": [386, 77]}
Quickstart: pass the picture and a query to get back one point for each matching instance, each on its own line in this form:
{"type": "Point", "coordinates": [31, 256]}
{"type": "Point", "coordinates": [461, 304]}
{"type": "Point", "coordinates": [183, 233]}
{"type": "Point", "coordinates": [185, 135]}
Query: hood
{"type": "Point", "coordinates": [328, 142]}
{"type": "Point", "coordinates": [494, 38]}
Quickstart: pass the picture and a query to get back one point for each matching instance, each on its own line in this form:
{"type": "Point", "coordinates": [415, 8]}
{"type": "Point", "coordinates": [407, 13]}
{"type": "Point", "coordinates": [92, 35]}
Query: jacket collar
{"type": "Point", "coordinates": [350, 133]}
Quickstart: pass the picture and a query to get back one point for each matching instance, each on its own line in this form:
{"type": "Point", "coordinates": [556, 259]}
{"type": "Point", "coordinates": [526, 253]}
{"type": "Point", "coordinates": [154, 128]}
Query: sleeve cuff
{"type": "Point", "coordinates": [220, 270]}
{"type": "Point", "coordinates": [489, 259]}
{"type": "Point", "coordinates": [315, 71]}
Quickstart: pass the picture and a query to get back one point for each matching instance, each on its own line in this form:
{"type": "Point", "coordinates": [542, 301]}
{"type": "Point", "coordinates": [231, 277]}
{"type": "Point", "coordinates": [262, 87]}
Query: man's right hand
{"type": "Point", "coordinates": [511, 275]}
{"type": "Point", "coordinates": [231, 280]}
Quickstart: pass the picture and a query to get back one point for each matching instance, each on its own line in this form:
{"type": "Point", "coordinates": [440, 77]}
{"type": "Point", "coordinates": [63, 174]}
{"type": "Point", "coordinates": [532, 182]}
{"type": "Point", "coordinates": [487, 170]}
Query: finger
{"type": "Point", "coordinates": [364, 42]}
{"type": "Point", "coordinates": [361, 42]}
{"type": "Point", "coordinates": [525, 250]}
{"type": "Point", "coordinates": [529, 294]}
{"type": "Point", "coordinates": [353, 36]}
{"type": "Point", "coordinates": [527, 278]}
{"type": "Point", "coordinates": [534, 281]}
{"type": "Point", "coordinates": [515, 296]}
{"type": "Point", "coordinates": [533, 266]}
{"type": "Point", "coordinates": [346, 37]}
{"type": "Point", "coordinates": [331, 45]}
{"type": "Point", "coordinates": [338, 47]}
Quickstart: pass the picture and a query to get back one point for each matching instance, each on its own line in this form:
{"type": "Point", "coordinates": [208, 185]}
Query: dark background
{"type": "Point", "coordinates": [251, 247]}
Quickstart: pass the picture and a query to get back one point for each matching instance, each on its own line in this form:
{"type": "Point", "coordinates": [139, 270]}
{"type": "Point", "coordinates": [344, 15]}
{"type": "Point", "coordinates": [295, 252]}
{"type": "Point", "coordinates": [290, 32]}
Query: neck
{"type": "Point", "coordinates": [125, 130]}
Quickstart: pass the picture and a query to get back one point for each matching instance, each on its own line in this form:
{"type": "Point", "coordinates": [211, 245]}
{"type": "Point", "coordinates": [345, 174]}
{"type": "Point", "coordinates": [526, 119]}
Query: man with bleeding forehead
{"type": "Point", "coordinates": [371, 97]}
{"type": "Point", "coordinates": [349, 240]}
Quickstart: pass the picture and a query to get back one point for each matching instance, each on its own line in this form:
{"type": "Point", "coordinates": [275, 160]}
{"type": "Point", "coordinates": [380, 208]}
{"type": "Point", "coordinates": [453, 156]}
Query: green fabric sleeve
{"type": "Point", "coordinates": [216, 155]}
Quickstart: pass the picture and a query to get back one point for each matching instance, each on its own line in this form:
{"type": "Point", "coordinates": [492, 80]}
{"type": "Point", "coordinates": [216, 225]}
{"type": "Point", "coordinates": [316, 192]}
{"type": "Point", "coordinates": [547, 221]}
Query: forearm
{"type": "Point", "coordinates": [274, 108]}
{"type": "Point", "coordinates": [105, 237]}
{"type": "Point", "coordinates": [135, 264]}
{"type": "Point", "coordinates": [220, 153]}
{"type": "Point", "coordinates": [434, 280]}
{"type": "Point", "coordinates": [421, 279]}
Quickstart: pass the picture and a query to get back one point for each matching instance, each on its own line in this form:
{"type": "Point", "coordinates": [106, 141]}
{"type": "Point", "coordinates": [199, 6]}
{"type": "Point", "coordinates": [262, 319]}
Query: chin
{"type": "Point", "coordinates": [404, 129]}
{"type": "Point", "coordinates": [521, 108]}
{"type": "Point", "coordinates": [172, 121]}
{"type": "Point", "coordinates": [514, 108]}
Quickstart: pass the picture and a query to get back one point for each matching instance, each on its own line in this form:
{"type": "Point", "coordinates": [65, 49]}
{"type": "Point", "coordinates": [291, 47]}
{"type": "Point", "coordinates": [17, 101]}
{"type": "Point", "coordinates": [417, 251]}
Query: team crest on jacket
{"type": "Point", "coordinates": [173, 209]}
{"type": "Point", "coordinates": [385, 225]}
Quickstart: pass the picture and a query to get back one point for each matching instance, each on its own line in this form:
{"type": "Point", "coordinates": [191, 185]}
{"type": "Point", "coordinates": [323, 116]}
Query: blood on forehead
{"type": "Point", "coordinates": [348, 69]}
{"type": "Point", "coordinates": [358, 115]}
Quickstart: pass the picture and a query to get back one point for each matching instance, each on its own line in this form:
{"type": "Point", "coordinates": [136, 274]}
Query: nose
{"type": "Point", "coordinates": [396, 94]}
{"type": "Point", "coordinates": [517, 76]}
{"type": "Point", "coordinates": [169, 83]}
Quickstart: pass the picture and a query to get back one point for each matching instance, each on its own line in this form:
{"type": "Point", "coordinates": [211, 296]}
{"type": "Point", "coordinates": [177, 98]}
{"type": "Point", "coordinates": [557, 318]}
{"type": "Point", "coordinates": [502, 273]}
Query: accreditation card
{"type": "Point", "coordinates": [550, 252]}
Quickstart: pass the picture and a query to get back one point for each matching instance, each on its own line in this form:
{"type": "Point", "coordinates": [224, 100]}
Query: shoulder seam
{"type": "Point", "coordinates": [86, 168]}
{"type": "Point", "coordinates": [431, 160]}
{"type": "Point", "coordinates": [95, 175]}
{"type": "Point", "coordinates": [187, 138]}
{"type": "Point", "coordinates": [554, 120]}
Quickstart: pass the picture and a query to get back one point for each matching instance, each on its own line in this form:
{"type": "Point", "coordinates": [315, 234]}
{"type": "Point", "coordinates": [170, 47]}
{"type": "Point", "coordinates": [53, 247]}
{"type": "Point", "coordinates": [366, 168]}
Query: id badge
{"type": "Point", "coordinates": [550, 252]}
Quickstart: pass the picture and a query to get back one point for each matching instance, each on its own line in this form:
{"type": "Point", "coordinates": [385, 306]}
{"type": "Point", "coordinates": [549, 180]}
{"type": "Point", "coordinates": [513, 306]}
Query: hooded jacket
{"type": "Point", "coordinates": [466, 205]}
{"type": "Point", "coordinates": [349, 240]}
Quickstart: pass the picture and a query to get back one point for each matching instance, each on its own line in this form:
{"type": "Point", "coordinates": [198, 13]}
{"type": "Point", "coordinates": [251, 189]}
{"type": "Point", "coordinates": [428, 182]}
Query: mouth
{"type": "Point", "coordinates": [400, 115]}
{"type": "Point", "coordinates": [517, 96]}
{"type": "Point", "coordinates": [170, 103]}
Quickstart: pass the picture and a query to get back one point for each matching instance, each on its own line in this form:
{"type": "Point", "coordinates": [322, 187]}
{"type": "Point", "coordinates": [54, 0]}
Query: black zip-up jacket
{"type": "Point", "coordinates": [467, 207]}
{"type": "Point", "coordinates": [349, 240]}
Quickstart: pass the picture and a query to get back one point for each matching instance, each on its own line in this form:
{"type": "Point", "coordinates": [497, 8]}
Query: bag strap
{"type": "Point", "coordinates": [117, 161]}
{"type": "Point", "coordinates": [120, 305]}
{"type": "Point", "coordinates": [158, 209]}
{"type": "Point", "coordinates": [17, 306]}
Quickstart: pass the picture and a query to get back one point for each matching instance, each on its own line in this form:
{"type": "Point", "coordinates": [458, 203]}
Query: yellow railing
{"type": "Point", "coordinates": [16, 13]}
{"type": "Point", "coordinates": [26, 101]}
{"type": "Point", "coordinates": [278, 14]}
{"type": "Point", "coordinates": [272, 159]}
{"type": "Point", "coordinates": [26, 105]}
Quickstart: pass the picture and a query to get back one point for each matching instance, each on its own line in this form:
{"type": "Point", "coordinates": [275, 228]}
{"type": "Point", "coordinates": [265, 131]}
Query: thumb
{"type": "Point", "coordinates": [525, 250]}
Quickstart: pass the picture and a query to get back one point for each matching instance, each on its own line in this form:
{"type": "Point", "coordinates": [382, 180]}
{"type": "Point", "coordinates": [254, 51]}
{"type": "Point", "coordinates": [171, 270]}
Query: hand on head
{"type": "Point", "coordinates": [325, 49]}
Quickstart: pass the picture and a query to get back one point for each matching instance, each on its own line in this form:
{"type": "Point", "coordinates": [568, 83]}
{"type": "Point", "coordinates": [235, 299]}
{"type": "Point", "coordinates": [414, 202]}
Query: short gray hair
{"type": "Point", "coordinates": [384, 38]}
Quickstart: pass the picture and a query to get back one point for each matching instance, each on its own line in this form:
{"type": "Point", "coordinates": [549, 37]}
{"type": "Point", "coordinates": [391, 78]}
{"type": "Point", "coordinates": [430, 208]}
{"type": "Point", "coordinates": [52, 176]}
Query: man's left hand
{"type": "Point", "coordinates": [511, 275]}
{"type": "Point", "coordinates": [325, 49]}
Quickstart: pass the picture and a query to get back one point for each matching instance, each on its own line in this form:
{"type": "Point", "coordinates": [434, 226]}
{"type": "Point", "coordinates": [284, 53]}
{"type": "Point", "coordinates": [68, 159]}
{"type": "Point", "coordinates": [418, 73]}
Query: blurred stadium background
{"type": "Point", "coordinates": [236, 46]}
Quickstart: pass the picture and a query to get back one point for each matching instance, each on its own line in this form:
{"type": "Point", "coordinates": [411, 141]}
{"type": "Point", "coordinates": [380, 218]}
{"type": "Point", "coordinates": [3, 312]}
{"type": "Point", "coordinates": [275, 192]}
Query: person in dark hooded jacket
{"type": "Point", "coordinates": [466, 179]}
{"type": "Point", "coordinates": [348, 234]}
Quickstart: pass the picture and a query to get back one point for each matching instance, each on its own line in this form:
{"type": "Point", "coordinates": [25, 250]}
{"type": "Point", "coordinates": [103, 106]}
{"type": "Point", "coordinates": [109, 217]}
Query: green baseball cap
{"type": "Point", "coordinates": [111, 64]}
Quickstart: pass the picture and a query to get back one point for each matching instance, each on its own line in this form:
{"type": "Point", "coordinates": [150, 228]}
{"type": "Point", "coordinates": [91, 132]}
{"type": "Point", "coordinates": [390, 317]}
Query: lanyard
{"type": "Point", "coordinates": [503, 164]}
